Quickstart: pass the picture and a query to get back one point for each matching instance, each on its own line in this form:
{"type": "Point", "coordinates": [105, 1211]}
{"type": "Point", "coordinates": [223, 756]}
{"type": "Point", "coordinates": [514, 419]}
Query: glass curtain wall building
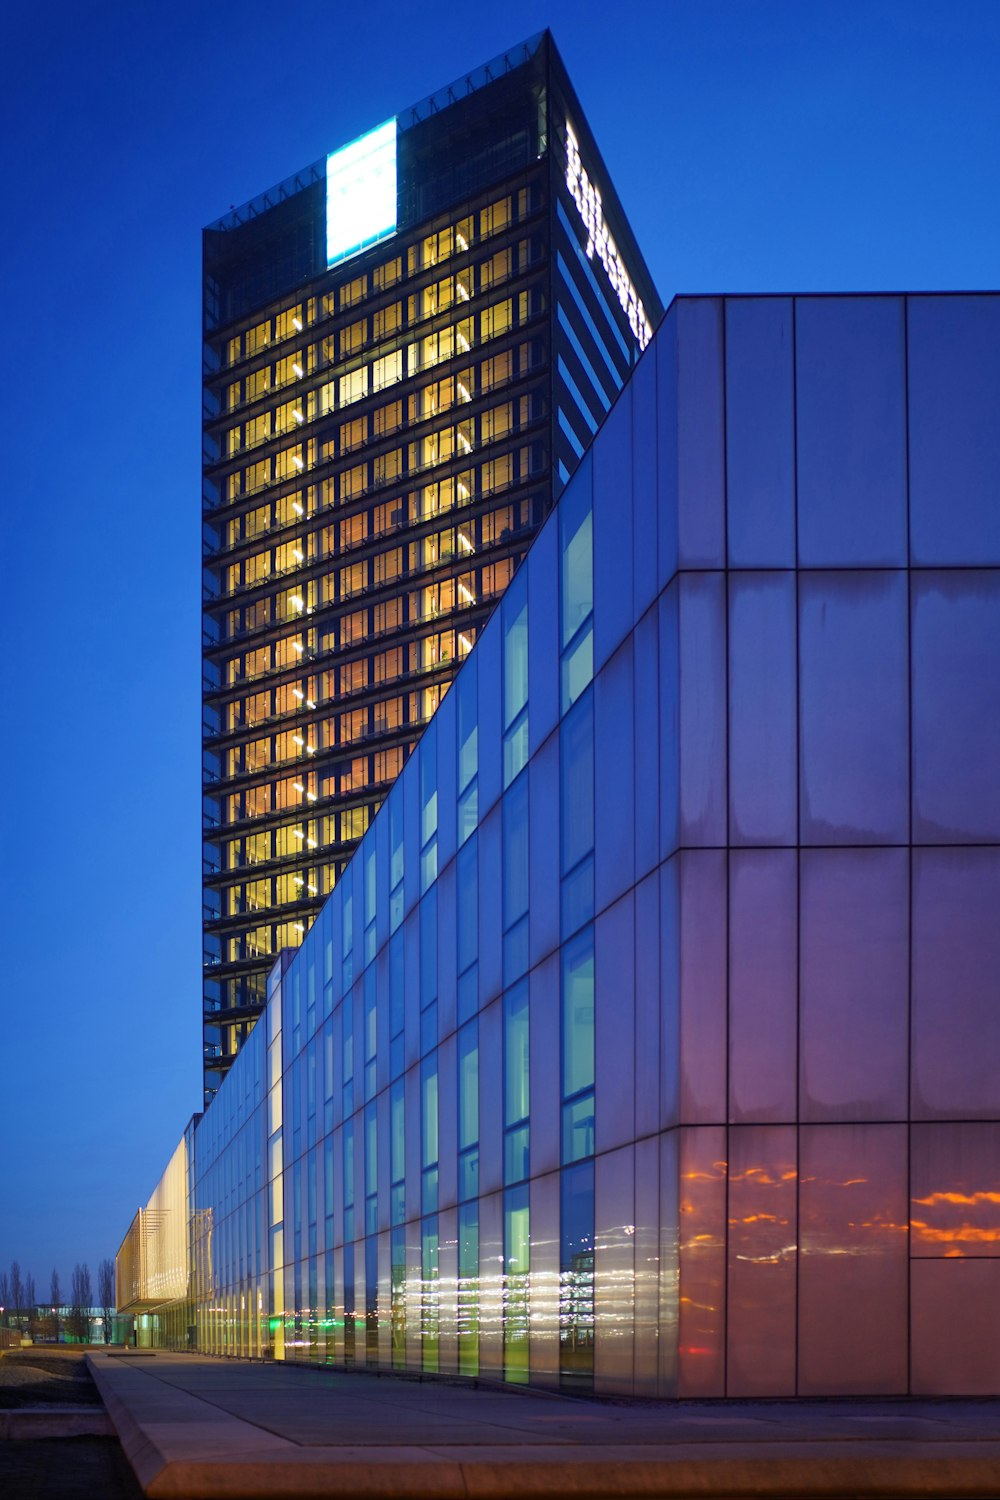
{"type": "Point", "coordinates": [407, 347]}
{"type": "Point", "coordinates": [649, 1043]}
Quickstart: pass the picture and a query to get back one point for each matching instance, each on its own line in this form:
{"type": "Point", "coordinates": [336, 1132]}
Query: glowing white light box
{"type": "Point", "coordinates": [361, 193]}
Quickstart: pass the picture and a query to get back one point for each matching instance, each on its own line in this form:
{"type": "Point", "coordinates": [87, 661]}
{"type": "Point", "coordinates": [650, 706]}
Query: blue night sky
{"type": "Point", "coordinates": [757, 145]}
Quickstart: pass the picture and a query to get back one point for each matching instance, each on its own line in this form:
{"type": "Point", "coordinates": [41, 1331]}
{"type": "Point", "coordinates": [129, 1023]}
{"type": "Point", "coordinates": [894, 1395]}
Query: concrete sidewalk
{"type": "Point", "coordinates": [200, 1428]}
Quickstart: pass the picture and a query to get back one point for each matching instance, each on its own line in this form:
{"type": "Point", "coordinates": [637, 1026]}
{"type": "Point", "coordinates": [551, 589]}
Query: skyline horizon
{"type": "Point", "coordinates": [107, 942]}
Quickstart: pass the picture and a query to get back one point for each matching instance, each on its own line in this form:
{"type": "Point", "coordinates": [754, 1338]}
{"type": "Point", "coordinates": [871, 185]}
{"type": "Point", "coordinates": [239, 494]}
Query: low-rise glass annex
{"type": "Point", "coordinates": [649, 1042]}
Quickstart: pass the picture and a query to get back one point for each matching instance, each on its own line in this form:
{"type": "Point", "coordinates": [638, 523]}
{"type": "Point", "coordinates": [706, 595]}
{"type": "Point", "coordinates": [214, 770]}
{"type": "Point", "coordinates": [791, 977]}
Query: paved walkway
{"type": "Point", "coordinates": [195, 1427]}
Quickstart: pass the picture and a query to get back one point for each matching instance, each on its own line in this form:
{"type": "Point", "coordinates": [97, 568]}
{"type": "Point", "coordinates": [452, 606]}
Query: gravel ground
{"type": "Point", "coordinates": [52, 1377]}
{"type": "Point", "coordinates": [84, 1468]}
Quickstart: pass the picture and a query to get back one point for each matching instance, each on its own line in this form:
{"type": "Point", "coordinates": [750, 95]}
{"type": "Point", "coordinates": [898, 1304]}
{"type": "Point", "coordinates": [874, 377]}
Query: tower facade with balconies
{"type": "Point", "coordinates": [407, 347]}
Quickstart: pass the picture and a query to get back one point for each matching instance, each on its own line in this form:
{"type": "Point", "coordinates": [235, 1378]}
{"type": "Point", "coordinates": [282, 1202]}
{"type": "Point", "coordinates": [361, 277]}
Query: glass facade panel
{"type": "Point", "coordinates": [612, 530]}
{"type": "Point", "coordinates": [702, 1011]}
{"type": "Point", "coordinates": [760, 432]}
{"type": "Point", "coordinates": [956, 1327]}
{"type": "Point", "coordinates": [956, 706]}
{"type": "Point", "coordinates": [850, 431]}
{"type": "Point", "coordinates": [763, 1235]}
{"type": "Point", "coordinates": [956, 959]}
{"type": "Point", "coordinates": [763, 1009]}
{"type": "Point", "coordinates": [853, 1261]}
{"type": "Point", "coordinates": [953, 345]}
{"type": "Point", "coordinates": [700, 427]}
{"type": "Point", "coordinates": [702, 653]}
{"type": "Point", "coordinates": [853, 745]}
{"type": "Point", "coordinates": [854, 984]}
{"type": "Point", "coordinates": [702, 1262]}
{"type": "Point", "coordinates": [763, 725]}
{"type": "Point", "coordinates": [954, 1202]}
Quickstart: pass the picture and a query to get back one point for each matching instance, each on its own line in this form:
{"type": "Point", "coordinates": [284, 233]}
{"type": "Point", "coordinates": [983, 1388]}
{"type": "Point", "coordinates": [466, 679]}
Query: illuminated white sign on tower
{"type": "Point", "coordinates": [588, 200]}
{"type": "Point", "coordinates": [361, 193]}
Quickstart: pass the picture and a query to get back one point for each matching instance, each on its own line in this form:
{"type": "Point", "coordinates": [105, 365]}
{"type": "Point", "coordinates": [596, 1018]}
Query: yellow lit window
{"type": "Point", "coordinates": [496, 320]}
{"type": "Point", "coordinates": [387, 615]}
{"type": "Point", "coordinates": [257, 567]}
{"type": "Point", "coordinates": [353, 579]}
{"type": "Point", "coordinates": [258, 337]}
{"type": "Point", "coordinates": [288, 322]}
{"type": "Point", "coordinates": [354, 386]}
{"type": "Point", "coordinates": [258, 800]}
{"type": "Point", "coordinates": [436, 247]}
{"type": "Point", "coordinates": [388, 763]}
{"type": "Point", "coordinates": [256, 476]}
{"type": "Point", "coordinates": [496, 523]}
{"type": "Point", "coordinates": [388, 565]}
{"type": "Point", "coordinates": [352, 338]}
{"type": "Point", "coordinates": [289, 368]}
{"type": "Point", "coordinates": [387, 321]}
{"type": "Point", "coordinates": [256, 521]}
{"type": "Point", "coordinates": [352, 434]}
{"type": "Point", "coordinates": [388, 715]}
{"type": "Point", "coordinates": [496, 423]}
{"type": "Point", "coordinates": [285, 842]}
{"type": "Point", "coordinates": [353, 482]}
{"type": "Point", "coordinates": [354, 676]}
{"type": "Point", "coordinates": [353, 725]}
{"type": "Point", "coordinates": [285, 654]}
{"type": "Point", "coordinates": [495, 270]}
{"type": "Point", "coordinates": [388, 664]}
{"type": "Point", "coordinates": [390, 514]}
{"type": "Point", "coordinates": [354, 823]}
{"type": "Point", "coordinates": [496, 577]}
{"type": "Point", "coordinates": [353, 292]}
{"type": "Point", "coordinates": [388, 418]}
{"type": "Point", "coordinates": [499, 473]}
{"type": "Point", "coordinates": [436, 298]}
{"type": "Point", "coordinates": [494, 218]}
{"type": "Point", "coordinates": [288, 462]}
{"type": "Point", "coordinates": [387, 275]}
{"type": "Point", "coordinates": [258, 848]}
{"type": "Point", "coordinates": [353, 530]}
{"type": "Point", "coordinates": [433, 448]}
{"type": "Point", "coordinates": [257, 754]}
{"type": "Point", "coordinates": [288, 417]}
{"type": "Point", "coordinates": [285, 508]}
{"type": "Point", "coordinates": [387, 466]}
{"type": "Point", "coordinates": [387, 371]}
{"type": "Point", "coordinates": [287, 556]}
{"type": "Point", "coordinates": [258, 430]}
{"type": "Point", "coordinates": [353, 627]}
{"type": "Point", "coordinates": [258, 383]}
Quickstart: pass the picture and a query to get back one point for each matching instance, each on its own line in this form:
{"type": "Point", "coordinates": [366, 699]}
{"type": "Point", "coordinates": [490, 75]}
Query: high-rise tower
{"type": "Point", "coordinates": [407, 347]}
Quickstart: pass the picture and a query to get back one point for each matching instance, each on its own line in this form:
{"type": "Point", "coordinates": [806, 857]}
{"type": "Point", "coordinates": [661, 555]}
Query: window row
{"type": "Point", "coordinates": [368, 379]}
{"type": "Point", "coordinates": [433, 250]}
